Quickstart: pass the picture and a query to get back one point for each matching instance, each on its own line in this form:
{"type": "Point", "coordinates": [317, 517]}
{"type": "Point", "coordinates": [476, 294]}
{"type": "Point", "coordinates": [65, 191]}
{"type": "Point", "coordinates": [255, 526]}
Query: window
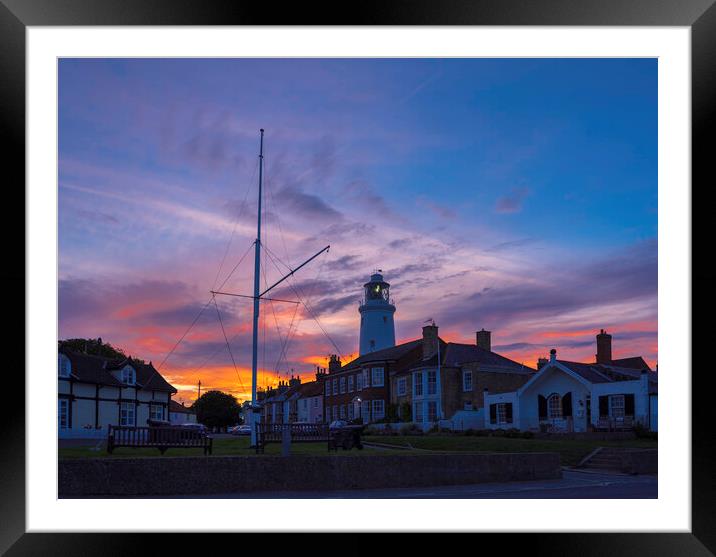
{"type": "Point", "coordinates": [467, 381]}
{"type": "Point", "coordinates": [328, 388]}
{"type": "Point", "coordinates": [418, 411]}
{"type": "Point", "coordinates": [335, 386]}
{"type": "Point", "coordinates": [63, 366]}
{"type": "Point", "coordinates": [126, 414]}
{"type": "Point", "coordinates": [304, 403]}
{"type": "Point", "coordinates": [351, 380]}
{"type": "Point", "coordinates": [378, 376]}
{"type": "Point", "coordinates": [365, 411]}
{"type": "Point", "coordinates": [63, 413]}
{"type": "Point", "coordinates": [501, 413]}
{"type": "Point", "coordinates": [378, 409]}
{"type": "Point", "coordinates": [402, 386]}
{"type": "Point", "coordinates": [315, 402]}
{"type": "Point", "coordinates": [156, 412]}
{"type": "Point", "coordinates": [432, 382]}
{"type": "Point", "coordinates": [351, 411]}
{"type": "Point", "coordinates": [343, 412]}
{"type": "Point", "coordinates": [343, 385]}
{"type": "Point", "coordinates": [467, 406]}
{"type": "Point", "coordinates": [366, 379]}
{"type": "Point", "coordinates": [335, 412]}
{"type": "Point", "coordinates": [418, 384]}
{"type": "Point", "coordinates": [616, 406]}
{"type": "Point", "coordinates": [432, 411]}
{"type": "Point", "coordinates": [554, 407]}
{"type": "Point", "coordinates": [359, 382]}
{"type": "Point", "coordinates": [128, 376]}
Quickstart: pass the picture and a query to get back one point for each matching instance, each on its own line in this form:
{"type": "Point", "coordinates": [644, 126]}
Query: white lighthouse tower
{"type": "Point", "coordinates": [377, 329]}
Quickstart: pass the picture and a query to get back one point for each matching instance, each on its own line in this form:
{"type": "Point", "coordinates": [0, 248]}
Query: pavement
{"type": "Point", "coordinates": [574, 484]}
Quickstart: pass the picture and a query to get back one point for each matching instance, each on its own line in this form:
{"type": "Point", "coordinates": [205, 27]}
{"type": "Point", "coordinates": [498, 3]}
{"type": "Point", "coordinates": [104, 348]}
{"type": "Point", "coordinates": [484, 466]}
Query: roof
{"type": "Point", "coordinates": [177, 408]}
{"type": "Point", "coordinates": [602, 373]}
{"type": "Point", "coordinates": [458, 354]}
{"type": "Point", "coordinates": [453, 354]}
{"type": "Point", "coordinates": [635, 362]}
{"type": "Point", "coordinates": [313, 388]}
{"type": "Point", "coordinates": [391, 353]}
{"type": "Point", "coordinates": [98, 370]}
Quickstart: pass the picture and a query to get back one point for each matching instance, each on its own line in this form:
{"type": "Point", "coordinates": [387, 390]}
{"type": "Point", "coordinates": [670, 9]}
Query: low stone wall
{"type": "Point", "coordinates": [121, 477]}
{"type": "Point", "coordinates": [640, 461]}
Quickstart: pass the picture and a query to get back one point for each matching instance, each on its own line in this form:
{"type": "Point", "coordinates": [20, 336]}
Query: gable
{"type": "Point", "coordinates": [553, 375]}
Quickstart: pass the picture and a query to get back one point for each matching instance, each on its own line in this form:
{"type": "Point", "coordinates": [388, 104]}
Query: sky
{"type": "Point", "coordinates": [515, 195]}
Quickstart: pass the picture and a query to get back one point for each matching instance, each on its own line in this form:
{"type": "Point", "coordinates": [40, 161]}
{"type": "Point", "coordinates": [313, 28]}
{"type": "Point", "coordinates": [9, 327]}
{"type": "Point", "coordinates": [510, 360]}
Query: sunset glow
{"type": "Point", "coordinates": [515, 195]}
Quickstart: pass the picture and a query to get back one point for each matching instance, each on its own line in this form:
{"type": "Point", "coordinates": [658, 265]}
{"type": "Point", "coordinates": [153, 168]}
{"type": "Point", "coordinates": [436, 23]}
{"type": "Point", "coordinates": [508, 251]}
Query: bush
{"type": "Point", "coordinates": [643, 433]}
{"type": "Point", "coordinates": [513, 433]}
{"type": "Point", "coordinates": [527, 435]}
{"type": "Point", "coordinates": [411, 429]}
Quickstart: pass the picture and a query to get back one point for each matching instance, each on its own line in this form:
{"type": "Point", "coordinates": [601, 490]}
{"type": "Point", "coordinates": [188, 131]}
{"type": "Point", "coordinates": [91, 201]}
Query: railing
{"type": "Point", "coordinates": [609, 423]}
{"type": "Point", "coordinates": [161, 438]}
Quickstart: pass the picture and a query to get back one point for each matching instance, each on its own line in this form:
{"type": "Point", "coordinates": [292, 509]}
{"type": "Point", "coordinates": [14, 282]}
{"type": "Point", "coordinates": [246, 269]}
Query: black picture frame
{"type": "Point", "coordinates": [17, 15]}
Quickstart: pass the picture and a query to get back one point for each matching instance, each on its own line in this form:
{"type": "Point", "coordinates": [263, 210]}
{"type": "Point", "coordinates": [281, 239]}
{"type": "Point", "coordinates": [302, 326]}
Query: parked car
{"type": "Point", "coordinates": [338, 424]}
{"type": "Point", "coordinates": [240, 430]}
{"type": "Point", "coordinates": [195, 427]}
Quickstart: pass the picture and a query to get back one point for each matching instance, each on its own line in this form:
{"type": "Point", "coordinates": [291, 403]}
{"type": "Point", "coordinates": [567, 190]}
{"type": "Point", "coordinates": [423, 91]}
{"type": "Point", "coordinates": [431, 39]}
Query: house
{"type": "Point", "coordinates": [95, 392]}
{"type": "Point", "coordinates": [361, 388]}
{"type": "Point", "coordinates": [309, 401]}
{"type": "Point", "coordinates": [293, 401]}
{"type": "Point", "coordinates": [444, 386]}
{"type": "Point", "coordinates": [180, 414]}
{"type": "Point", "coordinates": [571, 396]}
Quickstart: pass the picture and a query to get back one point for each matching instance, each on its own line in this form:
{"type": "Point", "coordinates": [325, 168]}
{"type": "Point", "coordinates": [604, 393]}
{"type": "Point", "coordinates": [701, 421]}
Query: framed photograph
{"type": "Point", "coordinates": [412, 271]}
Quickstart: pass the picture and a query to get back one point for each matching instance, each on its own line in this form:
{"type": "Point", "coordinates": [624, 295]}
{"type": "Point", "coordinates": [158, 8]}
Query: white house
{"type": "Point", "coordinates": [180, 414]}
{"type": "Point", "coordinates": [572, 396]}
{"type": "Point", "coordinates": [94, 392]}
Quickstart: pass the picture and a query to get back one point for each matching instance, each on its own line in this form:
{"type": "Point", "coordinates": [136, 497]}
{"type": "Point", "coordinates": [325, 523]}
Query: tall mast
{"type": "Point", "coordinates": [257, 276]}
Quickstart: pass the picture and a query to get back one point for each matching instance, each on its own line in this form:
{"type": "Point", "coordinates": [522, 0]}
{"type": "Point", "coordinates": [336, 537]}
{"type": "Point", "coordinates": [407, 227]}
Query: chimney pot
{"type": "Point", "coordinates": [484, 340]}
{"type": "Point", "coordinates": [430, 341]}
{"type": "Point", "coordinates": [553, 355]}
{"type": "Point", "coordinates": [604, 348]}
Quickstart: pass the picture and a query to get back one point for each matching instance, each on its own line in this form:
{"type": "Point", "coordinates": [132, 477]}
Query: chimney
{"type": "Point", "coordinates": [553, 355]}
{"type": "Point", "coordinates": [541, 362]}
{"type": "Point", "coordinates": [604, 348]}
{"type": "Point", "coordinates": [294, 381]}
{"type": "Point", "coordinates": [320, 374]}
{"type": "Point", "coordinates": [483, 340]}
{"type": "Point", "coordinates": [334, 364]}
{"type": "Point", "coordinates": [430, 341]}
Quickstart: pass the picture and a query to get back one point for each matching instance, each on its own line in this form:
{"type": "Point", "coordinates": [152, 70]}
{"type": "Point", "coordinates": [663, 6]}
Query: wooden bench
{"type": "Point", "coordinates": [299, 433]}
{"type": "Point", "coordinates": [162, 438]}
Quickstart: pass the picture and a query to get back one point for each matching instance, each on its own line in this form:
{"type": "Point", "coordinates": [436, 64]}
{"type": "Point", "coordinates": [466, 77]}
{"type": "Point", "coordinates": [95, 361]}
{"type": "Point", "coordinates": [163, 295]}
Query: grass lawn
{"type": "Point", "coordinates": [221, 447]}
{"type": "Point", "coordinates": [571, 451]}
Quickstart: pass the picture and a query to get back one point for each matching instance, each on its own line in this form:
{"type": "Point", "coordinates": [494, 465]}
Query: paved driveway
{"type": "Point", "coordinates": [573, 485]}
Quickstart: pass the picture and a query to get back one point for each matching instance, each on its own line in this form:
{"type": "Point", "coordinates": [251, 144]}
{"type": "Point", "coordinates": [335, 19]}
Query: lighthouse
{"type": "Point", "coordinates": [377, 329]}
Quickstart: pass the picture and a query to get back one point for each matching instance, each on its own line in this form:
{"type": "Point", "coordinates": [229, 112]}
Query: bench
{"type": "Point", "coordinates": [162, 438]}
{"type": "Point", "coordinates": [345, 438]}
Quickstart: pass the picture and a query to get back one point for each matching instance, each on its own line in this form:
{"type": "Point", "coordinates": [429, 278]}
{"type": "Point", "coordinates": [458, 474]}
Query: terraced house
{"type": "Point", "coordinates": [95, 391]}
{"type": "Point", "coordinates": [445, 385]}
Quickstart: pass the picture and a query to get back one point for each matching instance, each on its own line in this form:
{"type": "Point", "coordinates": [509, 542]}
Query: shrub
{"type": "Point", "coordinates": [527, 434]}
{"type": "Point", "coordinates": [643, 433]}
{"type": "Point", "coordinates": [410, 429]}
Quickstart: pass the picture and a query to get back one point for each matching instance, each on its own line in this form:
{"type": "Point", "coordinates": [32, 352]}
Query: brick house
{"type": "Point", "coordinates": [293, 401]}
{"type": "Point", "coordinates": [446, 383]}
{"type": "Point", "coordinates": [360, 389]}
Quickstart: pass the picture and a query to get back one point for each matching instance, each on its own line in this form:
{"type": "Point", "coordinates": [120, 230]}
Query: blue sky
{"type": "Point", "coordinates": [518, 195]}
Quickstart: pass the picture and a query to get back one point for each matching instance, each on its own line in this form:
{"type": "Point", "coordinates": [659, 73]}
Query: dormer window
{"type": "Point", "coordinates": [64, 366]}
{"type": "Point", "coordinates": [128, 375]}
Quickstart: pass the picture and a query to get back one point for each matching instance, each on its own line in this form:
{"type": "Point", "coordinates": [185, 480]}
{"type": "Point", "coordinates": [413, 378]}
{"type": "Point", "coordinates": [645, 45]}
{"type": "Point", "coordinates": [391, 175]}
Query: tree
{"type": "Point", "coordinates": [217, 409]}
{"type": "Point", "coordinates": [95, 347]}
